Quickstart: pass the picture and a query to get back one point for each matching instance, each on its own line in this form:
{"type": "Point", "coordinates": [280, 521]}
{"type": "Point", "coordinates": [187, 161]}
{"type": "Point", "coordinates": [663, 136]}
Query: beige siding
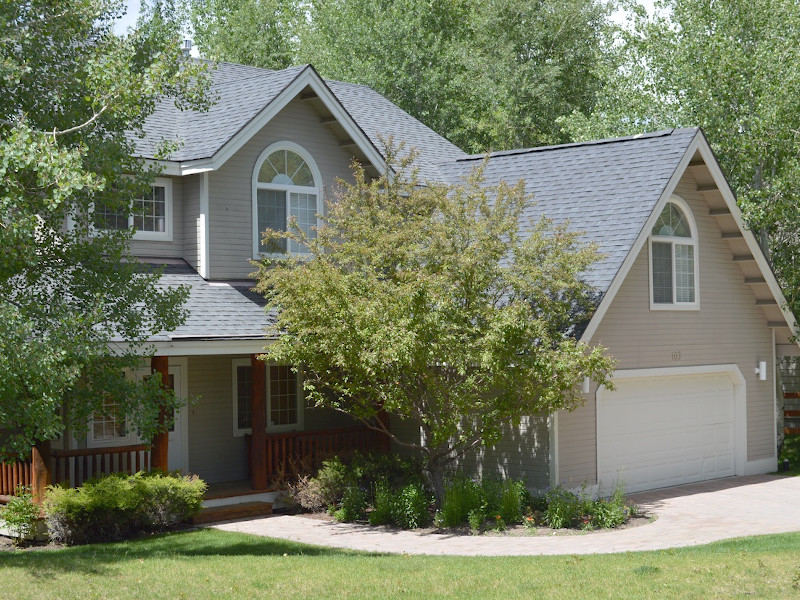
{"type": "Point", "coordinates": [191, 220]}
{"type": "Point", "coordinates": [728, 329]}
{"type": "Point", "coordinates": [173, 249]}
{"type": "Point", "coordinates": [230, 188]}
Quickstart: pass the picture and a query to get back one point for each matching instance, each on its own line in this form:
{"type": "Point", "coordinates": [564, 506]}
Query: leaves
{"type": "Point", "coordinates": [427, 302]}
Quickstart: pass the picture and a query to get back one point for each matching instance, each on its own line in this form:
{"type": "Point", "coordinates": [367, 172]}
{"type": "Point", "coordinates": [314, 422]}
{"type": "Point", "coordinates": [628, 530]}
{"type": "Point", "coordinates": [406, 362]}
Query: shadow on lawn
{"type": "Point", "coordinates": [100, 559]}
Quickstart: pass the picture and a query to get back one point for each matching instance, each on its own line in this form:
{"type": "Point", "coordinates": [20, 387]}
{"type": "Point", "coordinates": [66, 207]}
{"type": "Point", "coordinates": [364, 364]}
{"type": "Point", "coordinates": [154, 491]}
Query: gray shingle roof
{"type": "Point", "coordinates": [242, 92]}
{"type": "Point", "coordinates": [216, 310]}
{"type": "Point", "coordinates": [606, 188]}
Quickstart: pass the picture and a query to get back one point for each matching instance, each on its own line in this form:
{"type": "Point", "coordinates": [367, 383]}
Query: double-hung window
{"type": "Point", "coordinates": [673, 258]}
{"type": "Point", "coordinates": [284, 398]}
{"type": "Point", "coordinates": [285, 189]}
{"type": "Point", "coordinates": [150, 216]}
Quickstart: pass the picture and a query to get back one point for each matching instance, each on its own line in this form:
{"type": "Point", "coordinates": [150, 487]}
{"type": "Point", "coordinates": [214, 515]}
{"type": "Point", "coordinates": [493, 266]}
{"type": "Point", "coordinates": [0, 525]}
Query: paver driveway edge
{"type": "Point", "coordinates": [687, 516]}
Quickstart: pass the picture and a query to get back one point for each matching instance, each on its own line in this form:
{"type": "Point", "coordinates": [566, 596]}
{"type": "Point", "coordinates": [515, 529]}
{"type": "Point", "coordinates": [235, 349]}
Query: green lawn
{"type": "Point", "coordinates": [214, 564]}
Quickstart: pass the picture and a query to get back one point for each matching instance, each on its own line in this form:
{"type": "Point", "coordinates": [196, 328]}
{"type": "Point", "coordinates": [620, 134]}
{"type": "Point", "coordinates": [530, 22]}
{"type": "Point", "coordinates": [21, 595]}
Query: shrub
{"type": "Point", "coordinates": [564, 509]}
{"type": "Point", "coordinates": [476, 518]}
{"type": "Point", "coordinates": [117, 506]}
{"type": "Point", "coordinates": [353, 506]}
{"type": "Point", "coordinates": [382, 504]}
{"type": "Point", "coordinates": [512, 497]}
{"type": "Point", "coordinates": [461, 496]}
{"type": "Point", "coordinates": [411, 507]}
{"type": "Point", "coordinates": [20, 514]}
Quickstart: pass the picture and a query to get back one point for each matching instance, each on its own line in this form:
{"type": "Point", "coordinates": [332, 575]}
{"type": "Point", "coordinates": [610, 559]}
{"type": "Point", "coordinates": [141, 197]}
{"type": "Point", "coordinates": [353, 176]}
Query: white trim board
{"type": "Point", "coordinates": [308, 77]}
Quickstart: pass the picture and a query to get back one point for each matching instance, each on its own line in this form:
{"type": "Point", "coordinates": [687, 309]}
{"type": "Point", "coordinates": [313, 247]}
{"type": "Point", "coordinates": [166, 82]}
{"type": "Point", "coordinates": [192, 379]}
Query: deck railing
{"type": "Point", "coordinates": [73, 467]}
{"type": "Point", "coordinates": [307, 448]}
{"type": "Point", "coordinates": [13, 475]}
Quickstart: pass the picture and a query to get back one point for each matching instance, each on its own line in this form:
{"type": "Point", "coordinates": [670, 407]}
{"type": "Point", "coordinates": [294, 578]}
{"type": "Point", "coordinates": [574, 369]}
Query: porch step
{"type": "Point", "coordinates": [232, 511]}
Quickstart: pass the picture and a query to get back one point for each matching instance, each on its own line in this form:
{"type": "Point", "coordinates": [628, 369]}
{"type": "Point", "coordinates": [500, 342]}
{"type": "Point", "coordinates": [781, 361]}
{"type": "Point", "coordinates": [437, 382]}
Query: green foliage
{"type": "Point", "coordinates": [732, 68]}
{"type": "Point", "coordinates": [567, 509]}
{"type": "Point", "coordinates": [381, 513]}
{"type": "Point", "coordinates": [69, 91]}
{"type": "Point", "coordinates": [486, 74]}
{"type": "Point", "coordinates": [410, 507]}
{"type": "Point", "coordinates": [564, 508]}
{"type": "Point", "coordinates": [476, 519]}
{"type": "Point", "coordinates": [461, 496]}
{"type": "Point", "coordinates": [421, 315]}
{"type": "Point", "coordinates": [118, 506]}
{"type": "Point", "coordinates": [353, 505]}
{"type": "Point", "coordinates": [512, 497]}
{"type": "Point", "coordinates": [20, 514]}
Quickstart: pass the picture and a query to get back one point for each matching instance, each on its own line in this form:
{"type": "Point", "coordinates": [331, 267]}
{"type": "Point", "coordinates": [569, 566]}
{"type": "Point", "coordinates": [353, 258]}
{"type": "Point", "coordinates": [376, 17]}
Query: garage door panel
{"type": "Point", "coordinates": [665, 431]}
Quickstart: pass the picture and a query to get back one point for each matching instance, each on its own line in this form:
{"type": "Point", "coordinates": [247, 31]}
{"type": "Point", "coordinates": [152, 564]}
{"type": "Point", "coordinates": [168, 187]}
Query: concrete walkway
{"type": "Point", "coordinates": [687, 515]}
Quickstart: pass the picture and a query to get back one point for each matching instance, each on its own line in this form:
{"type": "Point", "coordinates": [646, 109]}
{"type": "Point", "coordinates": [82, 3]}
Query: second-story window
{"type": "Point", "coordinates": [285, 188]}
{"type": "Point", "coordinates": [150, 216]}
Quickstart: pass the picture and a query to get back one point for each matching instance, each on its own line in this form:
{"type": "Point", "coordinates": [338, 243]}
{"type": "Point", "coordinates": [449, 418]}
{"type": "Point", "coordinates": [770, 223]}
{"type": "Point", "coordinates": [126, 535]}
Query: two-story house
{"type": "Point", "coordinates": [686, 300]}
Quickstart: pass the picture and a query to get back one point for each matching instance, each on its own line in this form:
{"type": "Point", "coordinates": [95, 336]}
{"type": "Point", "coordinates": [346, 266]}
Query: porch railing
{"type": "Point", "coordinates": [73, 467]}
{"type": "Point", "coordinates": [288, 451]}
{"type": "Point", "coordinates": [14, 474]}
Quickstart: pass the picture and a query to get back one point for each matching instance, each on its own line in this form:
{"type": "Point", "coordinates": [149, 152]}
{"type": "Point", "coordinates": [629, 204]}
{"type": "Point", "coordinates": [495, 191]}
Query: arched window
{"type": "Point", "coordinates": [285, 186]}
{"type": "Point", "coordinates": [673, 258]}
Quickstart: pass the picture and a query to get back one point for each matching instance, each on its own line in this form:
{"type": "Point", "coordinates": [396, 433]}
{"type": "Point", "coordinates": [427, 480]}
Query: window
{"type": "Point", "coordinates": [673, 258]}
{"type": "Point", "coordinates": [285, 187]}
{"type": "Point", "coordinates": [284, 409]}
{"type": "Point", "coordinates": [109, 427]}
{"type": "Point", "coordinates": [151, 216]}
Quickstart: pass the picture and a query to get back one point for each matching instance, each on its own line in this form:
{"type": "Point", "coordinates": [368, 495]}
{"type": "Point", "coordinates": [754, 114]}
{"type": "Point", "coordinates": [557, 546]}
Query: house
{"type": "Point", "coordinates": [687, 302]}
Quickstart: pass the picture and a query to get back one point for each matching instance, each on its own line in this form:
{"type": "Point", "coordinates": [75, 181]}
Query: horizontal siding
{"type": "Point", "coordinates": [230, 188]}
{"type": "Point", "coordinates": [215, 454]}
{"type": "Point", "coordinates": [173, 249]}
{"type": "Point", "coordinates": [728, 329]}
{"type": "Point", "coordinates": [522, 453]}
{"type": "Point", "coordinates": [191, 220]}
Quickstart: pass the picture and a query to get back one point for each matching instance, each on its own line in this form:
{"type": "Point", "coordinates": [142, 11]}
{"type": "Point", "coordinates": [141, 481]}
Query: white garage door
{"type": "Point", "coordinates": [663, 431]}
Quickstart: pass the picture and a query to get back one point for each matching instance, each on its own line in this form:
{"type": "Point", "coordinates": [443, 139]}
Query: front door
{"type": "Point", "coordinates": [177, 458]}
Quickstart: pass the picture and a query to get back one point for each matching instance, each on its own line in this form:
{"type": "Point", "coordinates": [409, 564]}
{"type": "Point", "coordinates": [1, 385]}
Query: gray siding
{"type": "Point", "coordinates": [173, 249]}
{"type": "Point", "coordinates": [191, 220]}
{"type": "Point", "coordinates": [230, 188]}
{"type": "Point", "coordinates": [728, 329]}
{"type": "Point", "coordinates": [215, 454]}
{"type": "Point", "coordinates": [523, 453]}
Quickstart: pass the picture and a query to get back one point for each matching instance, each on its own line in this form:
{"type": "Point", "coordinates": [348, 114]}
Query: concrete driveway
{"type": "Point", "coordinates": [688, 515]}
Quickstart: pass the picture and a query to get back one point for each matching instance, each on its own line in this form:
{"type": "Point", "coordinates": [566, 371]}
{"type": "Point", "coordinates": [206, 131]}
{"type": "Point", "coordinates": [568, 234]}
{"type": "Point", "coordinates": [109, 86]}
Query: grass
{"type": "Point", "coordinates": [221, 565]}
{"type": "Point", "coordinates": [790, 451]}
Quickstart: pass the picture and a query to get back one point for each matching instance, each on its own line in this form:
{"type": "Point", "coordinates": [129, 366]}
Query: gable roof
{"type": "Point", "coordinates": [245, 98]}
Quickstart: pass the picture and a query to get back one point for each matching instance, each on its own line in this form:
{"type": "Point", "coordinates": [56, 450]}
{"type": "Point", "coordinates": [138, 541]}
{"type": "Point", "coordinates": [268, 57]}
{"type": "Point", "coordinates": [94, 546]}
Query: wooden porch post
{"type": "Point", "coordinates": [40, 470]}
{"type": "Point", "coordinates": [159, 447]}
{"type": "Point", "coordinates": [258, 412]}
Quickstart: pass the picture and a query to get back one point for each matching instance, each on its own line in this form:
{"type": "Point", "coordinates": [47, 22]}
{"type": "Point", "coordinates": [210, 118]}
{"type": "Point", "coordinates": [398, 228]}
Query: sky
{"type": "Point", "coordinates": [129, 20]}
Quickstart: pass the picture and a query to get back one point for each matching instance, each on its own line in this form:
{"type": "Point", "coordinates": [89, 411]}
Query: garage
{"type": "Point", "coordinates": [659, 431]}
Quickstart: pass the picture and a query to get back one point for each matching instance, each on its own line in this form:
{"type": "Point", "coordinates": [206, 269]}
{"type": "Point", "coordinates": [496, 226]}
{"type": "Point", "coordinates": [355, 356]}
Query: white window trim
{"type": "Point", "coordinates": [692, 241]}
{"type": "Point", "coordinates": [153, 236]}
{"type": "Point", "coordinates": [237, 432]}
{"type": "Point", "coordinates": [256, 185]}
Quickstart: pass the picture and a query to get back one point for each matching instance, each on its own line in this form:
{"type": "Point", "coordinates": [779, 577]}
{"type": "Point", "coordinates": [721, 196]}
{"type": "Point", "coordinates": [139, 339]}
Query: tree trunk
{"type": "Point", "coordinates": [436, 472]}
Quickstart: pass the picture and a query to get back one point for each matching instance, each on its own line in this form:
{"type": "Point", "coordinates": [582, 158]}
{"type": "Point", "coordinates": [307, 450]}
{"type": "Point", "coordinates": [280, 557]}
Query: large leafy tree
{"type": "Point", "coordinates": [732, 68]}
{"type": "Point", "coordinates": [486, 74]}
{"type": "Point", "coordinates": [431, 304]}
{"type": "Point", "coordinates": [71, 95]}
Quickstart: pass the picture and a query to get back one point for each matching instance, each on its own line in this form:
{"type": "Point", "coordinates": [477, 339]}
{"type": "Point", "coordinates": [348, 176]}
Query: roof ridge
{"type": "Point", "coordinates": [605, 141]}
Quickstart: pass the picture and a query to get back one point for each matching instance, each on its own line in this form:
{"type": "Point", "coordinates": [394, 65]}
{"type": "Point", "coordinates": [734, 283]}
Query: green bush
{"type": "Point", "coordinates": [20, 514]}
{"type": "Point", "coordinates": [353, 505]}
{"type": "Point", "coordinates": [411, 507]}
{"type": "Point", "coordinates": [382, 504]}
{"type": "Point", "coordinates": [461, 496]}
{"type": "Point", "coordinates": [564, 509]}
{"type": "Point", "coordinates": [119, 505]}
{"type": "Point", "coordinates": [476, 518]}
{"type": "Point", "coordinates": [512, 498]}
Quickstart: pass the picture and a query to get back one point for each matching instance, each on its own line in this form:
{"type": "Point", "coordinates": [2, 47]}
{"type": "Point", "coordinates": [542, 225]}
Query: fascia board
{"type": "Point", "coordinates": [306, 78]}
{"type": "Point", "coordinates": [201, 347]}
{"type": "Point", "coordinates": [641, 240]}
{"type": "Point", "coordinates": [749, 238]}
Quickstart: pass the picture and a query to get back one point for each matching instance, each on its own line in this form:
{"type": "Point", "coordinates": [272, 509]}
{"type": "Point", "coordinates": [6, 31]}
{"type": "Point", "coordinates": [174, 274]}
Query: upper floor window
{"type": "Point", "coordinates": [673, 258]}
{"type": "Point", "coordinates": [285, 187]}
{"type": "Point", "coordinates": [150, 216]}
